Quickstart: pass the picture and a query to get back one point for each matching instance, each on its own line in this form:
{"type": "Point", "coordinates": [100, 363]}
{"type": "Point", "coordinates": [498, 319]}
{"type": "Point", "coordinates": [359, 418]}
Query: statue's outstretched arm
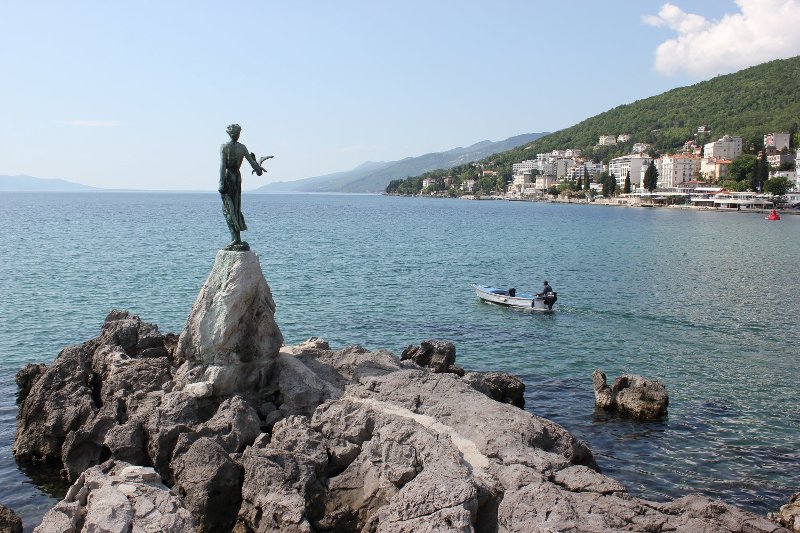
{"type": "Point", "coordinates": [253, 163]}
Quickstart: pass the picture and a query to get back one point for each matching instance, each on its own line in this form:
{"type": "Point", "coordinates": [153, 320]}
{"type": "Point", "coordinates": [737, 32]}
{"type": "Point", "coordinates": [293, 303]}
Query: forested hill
{"type": "Point", "coordinates": [748, 103]}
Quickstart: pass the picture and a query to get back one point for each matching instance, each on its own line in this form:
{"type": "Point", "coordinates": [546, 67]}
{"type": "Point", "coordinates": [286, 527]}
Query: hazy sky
{"type": "Point", "coordinates": [138, 94]}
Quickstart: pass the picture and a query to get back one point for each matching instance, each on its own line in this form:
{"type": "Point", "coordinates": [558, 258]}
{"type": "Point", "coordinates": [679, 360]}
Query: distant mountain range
{"type": "Point", "coordinates": [24, 183]}
{"type": "Point", "coordinates": [373, 177]}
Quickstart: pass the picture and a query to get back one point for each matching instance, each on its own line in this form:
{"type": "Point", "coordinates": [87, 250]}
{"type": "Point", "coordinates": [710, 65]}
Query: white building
{"type": "Point", "coordinates": [592, 169]}
{"type": "Point", "coordinates": [673, 170]}
{"type": "Point", "coordinates": [640, 148]}
{"type": "Point", "coordinates": [523, 166]}
{"type": "Point", "coordinates": [607, 140]}
{"type": "Point", "coordinates": [523, 184]}
{"type": "Point", "coordinates": [623, 137]}
{"type": "Point", "coordinates": [468, 186]}
{"type": "Point", "coordinates": [633, 164]}
{"type": "Point", "coordinates": [427, 182]}
{"type": "Point", "coordinates": [728, 147]}
{"type": "Point", "coordinates": [779, 141]}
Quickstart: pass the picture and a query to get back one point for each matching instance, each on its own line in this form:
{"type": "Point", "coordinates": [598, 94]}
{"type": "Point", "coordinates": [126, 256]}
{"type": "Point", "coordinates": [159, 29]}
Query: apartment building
{"type": "Point", "coordinates": [727, 147]}
{"type": "Point", "coordinates": [673, 170]}
{"type": "Point", "coordinates": [779, 141]}
{"type": "Point", "coordinates": [633, 164]}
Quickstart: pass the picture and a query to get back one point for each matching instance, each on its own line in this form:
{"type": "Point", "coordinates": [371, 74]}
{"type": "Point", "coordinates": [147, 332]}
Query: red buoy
{"type": "Point", "coordinates": [774, 215]}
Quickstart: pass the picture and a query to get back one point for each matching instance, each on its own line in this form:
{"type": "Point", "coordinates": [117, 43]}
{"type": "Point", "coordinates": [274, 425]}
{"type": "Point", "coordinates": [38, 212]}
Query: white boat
{"type": "Point", "coordinates": [512, 298]}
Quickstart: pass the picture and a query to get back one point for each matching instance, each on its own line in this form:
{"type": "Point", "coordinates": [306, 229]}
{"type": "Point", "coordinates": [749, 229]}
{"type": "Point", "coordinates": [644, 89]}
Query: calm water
{"type": "Point", "coordinates": [706, 302]}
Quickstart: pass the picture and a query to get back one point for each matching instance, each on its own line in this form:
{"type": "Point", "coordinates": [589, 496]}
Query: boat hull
{"type": "Point", "coordinates": [520, 300]}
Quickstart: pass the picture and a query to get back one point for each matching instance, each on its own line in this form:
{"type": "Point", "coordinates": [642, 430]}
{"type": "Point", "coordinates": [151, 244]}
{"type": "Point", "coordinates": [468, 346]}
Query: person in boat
{"type": "Point", "coordinates": [547, 288]}
{"type": "Point", "coordinates": [549, 295]}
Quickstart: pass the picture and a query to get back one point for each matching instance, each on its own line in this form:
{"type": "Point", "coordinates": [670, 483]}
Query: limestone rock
{"type": "Point", "coordinates": [232, 321]}
{"type": "Point", "coordinates": [438, 356]}
{"type": "Point", "coordinates": [789, 514]}
{"type": "Point", "coordinates": [9, 521]}
{"type": "Point", "coordinates": [310, 439]}
{"type": "Point", "coordinates": [208, 481]}
{"type": "Point", "coordinates": [84, 380]}
{"type": "Point", "coordinates": [500, 386]}
{"type": "Point", "coordinates": [633, 396]}
{"type": "Point", "coordinates": [116, 496]}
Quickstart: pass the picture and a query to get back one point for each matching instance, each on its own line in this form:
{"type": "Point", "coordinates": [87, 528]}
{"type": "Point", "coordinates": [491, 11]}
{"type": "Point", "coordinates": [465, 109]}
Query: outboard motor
{"type": "Point", "coordinates": [512, 292]}
{"type": "Point", "coordinates": [549, 299]}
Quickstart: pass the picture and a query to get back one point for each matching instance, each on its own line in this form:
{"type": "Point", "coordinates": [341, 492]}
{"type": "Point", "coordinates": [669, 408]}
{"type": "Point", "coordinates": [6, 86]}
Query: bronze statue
{"type": "Point", "coordinates": [230, 185]}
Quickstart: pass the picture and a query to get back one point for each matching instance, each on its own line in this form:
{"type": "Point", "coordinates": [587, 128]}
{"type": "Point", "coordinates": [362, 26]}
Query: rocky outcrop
{"type": "Point", "coordinates": [789, 515]}
{"type": "Point", "coordinates": [9, 521]}
{"type": "Point", "coordinates": [500, 386]}
{"type": "Point", "coordinates": [375, 444]}
{"type": "Point", "coordinates": [116, 496]}
{"type": "Point", "coordinates": [252, 438]}
{"type": "Point", "coordinates": [68, 408]}
{"type": "Point", "coordinates": [230, 339]}
{"type": "Point", "coordinates": [437, 356]}
{"type": "Point", "coordinates": [633, 396]}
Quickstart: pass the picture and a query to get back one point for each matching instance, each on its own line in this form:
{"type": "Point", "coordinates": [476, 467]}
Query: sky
{"type": "Point", "coordinates": [137, 95]}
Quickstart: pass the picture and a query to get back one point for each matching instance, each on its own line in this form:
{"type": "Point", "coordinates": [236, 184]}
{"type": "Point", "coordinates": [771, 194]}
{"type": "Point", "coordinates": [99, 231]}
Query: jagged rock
{"type": "Point", "coordinates": [291, 465]}
{"type": "Point", "coordinates": [437, 356]}
{"type": "Point", "coordinates": [231, 324]}
{"type": "Point", "coordinates": [789, 514]}
{"type": "Point", "coordinates": [9, 521]}
{"type": "Point", "coordinates": [209, 483]}
{"type": "Point", "coordinates": [116, 496]}
{"type": "Point", "coordinates": [500, 386]}
{"type": "Point", "coordinates": [633, 396]}
{"type": "Point", "coordinates": [312, 439]}
{"type": "Point", "coordinates": [70, 394]}
{"type": "Point", "coordinates": [26, 377]}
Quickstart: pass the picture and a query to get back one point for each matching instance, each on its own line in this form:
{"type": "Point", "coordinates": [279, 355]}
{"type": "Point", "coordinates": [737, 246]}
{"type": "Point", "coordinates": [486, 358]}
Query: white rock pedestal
{"type": "Point", "coordinates": [230, 339]}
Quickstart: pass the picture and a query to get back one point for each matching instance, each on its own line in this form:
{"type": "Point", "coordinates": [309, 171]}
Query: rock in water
{"type": "Point", "coordinates": [789, 514]}
{"type": "Point", "coordinates": [231, 324]}
{"type": "Point", "coordinates": [633, 396]}
{"type": "Point", "coordinates": [9, 521]}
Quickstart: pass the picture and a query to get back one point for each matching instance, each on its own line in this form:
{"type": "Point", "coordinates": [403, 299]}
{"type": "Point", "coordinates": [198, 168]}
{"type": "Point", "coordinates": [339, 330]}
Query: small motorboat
{"type": "Point", "coordinates": [512, 298]}
{"type": "Point", "coordinates": [774, 215]}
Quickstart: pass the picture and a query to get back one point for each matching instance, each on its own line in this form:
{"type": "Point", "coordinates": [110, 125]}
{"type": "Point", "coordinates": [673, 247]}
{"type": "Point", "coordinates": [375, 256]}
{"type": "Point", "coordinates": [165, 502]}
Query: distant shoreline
{"type": "Point", "coordinates": [603, 202]}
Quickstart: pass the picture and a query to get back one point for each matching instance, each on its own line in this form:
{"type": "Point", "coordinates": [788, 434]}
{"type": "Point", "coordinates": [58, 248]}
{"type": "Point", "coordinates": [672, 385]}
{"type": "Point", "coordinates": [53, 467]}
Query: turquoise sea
{"type": "Point", "coordinates": [707, 302]}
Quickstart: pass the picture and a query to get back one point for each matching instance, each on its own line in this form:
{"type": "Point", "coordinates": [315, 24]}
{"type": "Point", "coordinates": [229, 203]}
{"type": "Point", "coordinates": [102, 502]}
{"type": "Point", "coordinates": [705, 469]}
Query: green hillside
{"type": "Point", "coordinates": [748, 103]}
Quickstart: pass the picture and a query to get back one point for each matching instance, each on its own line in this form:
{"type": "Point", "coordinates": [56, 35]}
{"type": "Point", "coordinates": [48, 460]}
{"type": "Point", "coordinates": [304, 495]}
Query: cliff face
{"type": "Point", "coordinates": [308, 439]}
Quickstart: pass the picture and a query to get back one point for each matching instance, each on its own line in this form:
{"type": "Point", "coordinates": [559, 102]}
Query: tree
{"type": "Point", "coordinates": [586, 182]}
{"type": "Point", "coordinates": [742, 167]}
{"type": "Point", "coordinates": [609, 182]}
{"type": "Point", "coordinates": [552, 190]}
{"type": "Point", "coordinates": [500, 183]}
{"type": "Point", "coordinates": [580, 184]}
{"type": "Point", "coordinates": [760, 173]}
{"type": "Point", "coordinates": [777, 186]}
{"type": "Point", "coordinates": [651, 177]}
{"type": "Point", "coordinates": [627, 188]}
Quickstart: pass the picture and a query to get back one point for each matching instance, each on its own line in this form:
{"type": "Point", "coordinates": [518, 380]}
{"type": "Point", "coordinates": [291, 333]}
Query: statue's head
{"type": "Point", "coordinates": [234, 130]}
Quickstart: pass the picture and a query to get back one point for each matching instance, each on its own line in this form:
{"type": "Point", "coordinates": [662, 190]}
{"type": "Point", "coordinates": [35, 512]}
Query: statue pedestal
{"type": "Point", "coordinates": [230, 339]}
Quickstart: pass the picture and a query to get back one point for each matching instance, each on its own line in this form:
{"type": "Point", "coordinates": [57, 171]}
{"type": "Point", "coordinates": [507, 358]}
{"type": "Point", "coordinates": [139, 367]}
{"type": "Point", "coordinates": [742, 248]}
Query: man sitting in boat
{"type": "Point", "coordinates": [549, 294]}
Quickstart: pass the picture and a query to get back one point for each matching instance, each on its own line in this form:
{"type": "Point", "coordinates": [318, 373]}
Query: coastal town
{"type": "Point", "coordinates": [723, 173]}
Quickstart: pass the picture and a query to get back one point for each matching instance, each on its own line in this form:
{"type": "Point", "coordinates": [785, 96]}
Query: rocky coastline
{"type": "Point", "coordinates": [224, 428]}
